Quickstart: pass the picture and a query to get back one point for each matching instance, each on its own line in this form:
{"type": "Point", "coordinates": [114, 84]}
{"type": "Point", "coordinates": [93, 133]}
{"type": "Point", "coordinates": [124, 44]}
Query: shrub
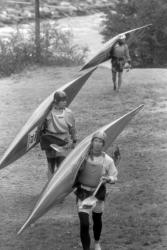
{"type": "Point", "coordinates": [56, 48]}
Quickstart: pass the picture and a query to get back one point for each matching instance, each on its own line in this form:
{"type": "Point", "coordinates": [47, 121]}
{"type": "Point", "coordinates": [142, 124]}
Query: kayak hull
{"type": "Point", "coordinates": [29, 135]}
{"type": "Point", "coordinates": [104, 54]}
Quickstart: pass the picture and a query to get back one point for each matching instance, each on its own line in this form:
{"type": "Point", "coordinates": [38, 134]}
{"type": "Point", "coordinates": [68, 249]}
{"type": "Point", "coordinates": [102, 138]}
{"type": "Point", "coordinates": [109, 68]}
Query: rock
{"type": "Point", "coordinates": [12, 11]}
{"type": "Point", "coordinates": [90, 1]}
{"type": "Point", "coordinates": [1, 24]}
{"type": "Point", "coordinates": [28, 15]}
{"type": "Point", "coordinates": [4, 18]}
{"type": "Point", "coordinates": [45, 12]}
{"type": "Point", "coordinates": [64, 10]}
{"type": "Point", "coordinates": [65, 4]}
{"type": "Point", "coordinates": [51, 2]}
{"type": "Point", "coordinates": [55, 14]}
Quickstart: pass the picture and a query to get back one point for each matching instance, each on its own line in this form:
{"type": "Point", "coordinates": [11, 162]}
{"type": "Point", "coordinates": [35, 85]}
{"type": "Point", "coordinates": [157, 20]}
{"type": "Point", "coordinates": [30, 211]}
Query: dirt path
{"type": "Point", "coordinates": [136, 210]}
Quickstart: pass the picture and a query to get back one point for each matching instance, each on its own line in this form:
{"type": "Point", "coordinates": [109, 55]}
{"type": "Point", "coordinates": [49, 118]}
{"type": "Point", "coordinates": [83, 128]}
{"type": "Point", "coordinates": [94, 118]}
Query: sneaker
{"type": "Point", "coordinates": [97, 246]}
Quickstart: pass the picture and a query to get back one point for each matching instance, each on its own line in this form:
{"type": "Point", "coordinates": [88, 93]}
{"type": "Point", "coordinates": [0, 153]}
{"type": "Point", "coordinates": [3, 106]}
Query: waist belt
{"type": "Point", "coordinates": [87, 188]}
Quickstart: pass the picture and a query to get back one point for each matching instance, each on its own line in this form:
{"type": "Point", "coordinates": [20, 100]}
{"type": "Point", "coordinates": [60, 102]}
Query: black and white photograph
{"type": "Point", "coordinates": [83, 118]}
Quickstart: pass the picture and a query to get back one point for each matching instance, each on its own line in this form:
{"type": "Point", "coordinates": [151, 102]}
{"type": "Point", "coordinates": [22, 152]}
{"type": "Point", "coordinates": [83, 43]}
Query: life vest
{"type": "Point", "coordinates": [92, 171]}
{"type": "Point", "coordinates": [121, 52]}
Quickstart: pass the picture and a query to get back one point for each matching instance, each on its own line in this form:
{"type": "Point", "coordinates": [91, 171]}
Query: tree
{"type": "Point", "coordinates": [148, 47]}
{"type": "Point", "coordinates": [37, 31]}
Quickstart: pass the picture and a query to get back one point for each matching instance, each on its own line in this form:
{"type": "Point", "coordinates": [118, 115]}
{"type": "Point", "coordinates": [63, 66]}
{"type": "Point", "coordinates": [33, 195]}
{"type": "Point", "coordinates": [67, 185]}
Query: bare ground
{"type": "Point", "coordinates": [135, 215]}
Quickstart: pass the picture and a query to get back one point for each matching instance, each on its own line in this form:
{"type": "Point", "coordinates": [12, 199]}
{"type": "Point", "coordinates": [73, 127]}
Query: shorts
{"type": "Point", "coordinates": [117, 64]}
{"type": "Point", "coordinates": [48, 138]}
{"type": "Point", "coordinates": [82, 194]}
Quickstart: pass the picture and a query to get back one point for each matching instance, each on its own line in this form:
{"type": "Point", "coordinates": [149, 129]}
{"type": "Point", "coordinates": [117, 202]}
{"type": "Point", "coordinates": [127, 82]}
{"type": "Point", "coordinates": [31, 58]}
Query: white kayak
{"type": "Point", "coordinates": [29, 135]}
{"type": "Point", "coordinates": [104, 54]}
{"type": "Point", "coordinates": [63, 180]}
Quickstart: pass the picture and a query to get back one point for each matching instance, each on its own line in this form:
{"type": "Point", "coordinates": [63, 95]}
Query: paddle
{"type": "Point", "coordinates": [60, 151]}
{"type": "Point", "coordinates": [57, 148]}
{"type": "Point", "coordinates": [90, 202]}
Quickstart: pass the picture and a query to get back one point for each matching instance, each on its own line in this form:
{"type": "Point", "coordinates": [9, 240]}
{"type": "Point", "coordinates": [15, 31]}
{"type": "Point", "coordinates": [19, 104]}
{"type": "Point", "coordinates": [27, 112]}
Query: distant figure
{"type": "Point", "coordinates": [98, 166]}
{"type": "Point", "coordinates": [59, 129]}
{"type": "Point", "coordinates": [120, 59]}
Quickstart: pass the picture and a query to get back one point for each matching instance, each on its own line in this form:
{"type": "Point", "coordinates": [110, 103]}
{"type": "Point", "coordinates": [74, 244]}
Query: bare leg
{"type": "Point", "coordinates": [114, 78]}
{"type": "Point", "coordinates": [119, 80]}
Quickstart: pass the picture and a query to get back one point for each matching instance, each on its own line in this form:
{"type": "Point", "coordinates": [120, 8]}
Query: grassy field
{"type": "Point", "coordinates": [135, 213]}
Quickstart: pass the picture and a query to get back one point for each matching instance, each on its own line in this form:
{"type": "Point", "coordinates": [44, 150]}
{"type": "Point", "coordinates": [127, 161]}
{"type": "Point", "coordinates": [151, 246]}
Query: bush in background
{"type": "Point", "coordinates": [56, 48]}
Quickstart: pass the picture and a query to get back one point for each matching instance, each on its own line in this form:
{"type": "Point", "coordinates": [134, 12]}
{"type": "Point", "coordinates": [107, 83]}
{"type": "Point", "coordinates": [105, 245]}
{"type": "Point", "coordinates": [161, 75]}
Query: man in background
{"type": "Point", "coordinates": [120, 59]}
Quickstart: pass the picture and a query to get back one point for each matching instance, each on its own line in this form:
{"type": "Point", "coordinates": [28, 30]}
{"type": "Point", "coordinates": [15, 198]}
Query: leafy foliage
{"type": "Point", "coordinates": [56, 48]}
{"type": "Point", "coordinates": [148, 47]}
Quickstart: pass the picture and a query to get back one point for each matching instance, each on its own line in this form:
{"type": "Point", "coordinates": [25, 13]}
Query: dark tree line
{"type": "Point", "coordinates": [148, 48]}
